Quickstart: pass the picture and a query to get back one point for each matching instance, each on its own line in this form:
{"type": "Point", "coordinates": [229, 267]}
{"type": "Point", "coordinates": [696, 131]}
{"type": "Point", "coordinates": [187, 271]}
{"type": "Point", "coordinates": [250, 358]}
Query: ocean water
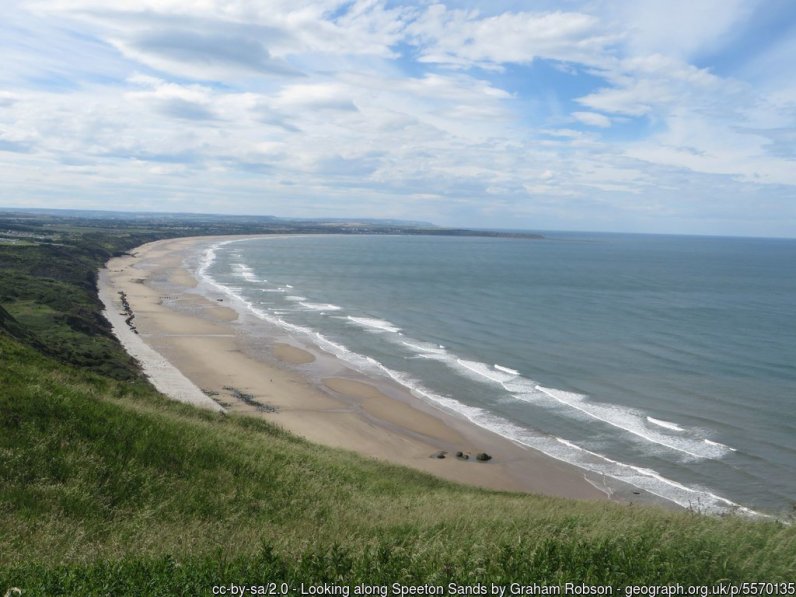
{"type": "Point", "coordinates": [666, 363]}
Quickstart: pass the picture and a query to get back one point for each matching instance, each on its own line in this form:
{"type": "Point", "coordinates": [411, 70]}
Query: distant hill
{"type": "Point", "coordinates": [203, 217]}
{"type": "Point", "coordinates": [189, 224]}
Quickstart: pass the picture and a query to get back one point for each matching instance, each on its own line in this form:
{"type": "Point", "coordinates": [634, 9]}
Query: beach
{"type": "Point", "coordinates": [197, 349]}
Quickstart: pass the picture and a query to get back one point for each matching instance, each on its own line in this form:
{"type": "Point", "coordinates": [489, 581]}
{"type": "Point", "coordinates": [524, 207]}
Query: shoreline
{"type": "Point", "coordinates": [195, 339]}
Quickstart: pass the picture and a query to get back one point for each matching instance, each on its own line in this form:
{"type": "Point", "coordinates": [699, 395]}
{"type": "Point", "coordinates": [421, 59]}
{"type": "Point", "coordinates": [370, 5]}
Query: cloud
{"type": "Point", "coordinates": [201, 39]}
{"type": "Point", "coordinates": [315, 96]}
{"type": "Point", "coordinates": [465, 113]}
{"type": "Point", "coordinates": [14, 146]}
{"type": "Point", "coordinates": [592, 119]}
{"type": "Point", "coordinates": [692, 142]}
{"type": "Point", "coordinates": [640, 86]}
{"type": "Point", "coordinates": [185, 157]}
{"type": "Point", "coordinates": [780, 142]}
{"type": "Point", "coordinates": [681, 29]}
{"type": "Point", "coordinates": [465, 38]}
{"type": "Point", "coordinates": [185, 102]}
{"type": "Point", "coordinates": [186, 110]}
{"type": "Point", "coordinates": [7, 99]}
{"type": "Point", "coordinates": [173, 49]}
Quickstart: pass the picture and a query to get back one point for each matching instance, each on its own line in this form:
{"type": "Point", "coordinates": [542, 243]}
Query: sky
{"type": "Point", "coordinates": [675, 116]}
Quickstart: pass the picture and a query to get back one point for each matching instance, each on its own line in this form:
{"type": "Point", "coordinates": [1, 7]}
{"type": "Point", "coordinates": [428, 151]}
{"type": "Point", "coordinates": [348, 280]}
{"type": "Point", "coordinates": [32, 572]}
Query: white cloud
{"type": "Point", "coordinates": [592, 119]}
{"type": "Point", "coordinates": [219, 39]}
{"type": "Point", "coordinates": [677, 28]}
{"type": "Point", "coordinates": [693, 142]}
{"type": "Point", "coordinates": [465, 38]}
{"type": "Point", "coordinates": [307, 107]}
{"type": "Point", "coordinates": [314, 96]}
{"type": "Point", "coordinates": [642, 85]}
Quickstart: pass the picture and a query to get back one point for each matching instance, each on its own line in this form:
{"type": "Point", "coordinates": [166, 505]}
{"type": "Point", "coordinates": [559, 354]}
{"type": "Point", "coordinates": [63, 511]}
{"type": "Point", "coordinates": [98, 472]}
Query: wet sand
{"type": "Point", "coordinates": [198, 350]}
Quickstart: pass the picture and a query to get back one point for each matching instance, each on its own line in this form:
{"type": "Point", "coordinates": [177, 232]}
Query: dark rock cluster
{"type": "Point", "coordinates": [480, 457]}
{"type": "Point", "coordinates": [128, 312]}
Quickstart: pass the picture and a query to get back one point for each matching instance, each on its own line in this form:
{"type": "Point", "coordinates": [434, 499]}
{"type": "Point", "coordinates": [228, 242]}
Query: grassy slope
{"type": "Point", "coordinates": [50, 291]}
{"type": "Point", "coordinates": [108, 487]}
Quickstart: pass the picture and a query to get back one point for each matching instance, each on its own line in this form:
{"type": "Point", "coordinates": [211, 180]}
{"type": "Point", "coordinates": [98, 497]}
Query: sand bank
{"type": "Point", "coordinates": [198, 350]}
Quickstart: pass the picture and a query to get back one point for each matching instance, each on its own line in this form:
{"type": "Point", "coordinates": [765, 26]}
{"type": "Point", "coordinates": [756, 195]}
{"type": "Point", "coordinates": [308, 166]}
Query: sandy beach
{"type": "Point", "coordinates": [197, 349]}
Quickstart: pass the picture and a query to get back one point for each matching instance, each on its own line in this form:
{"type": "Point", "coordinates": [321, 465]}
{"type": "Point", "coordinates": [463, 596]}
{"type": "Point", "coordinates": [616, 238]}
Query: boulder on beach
{"type": "Point", "coordinates": [483, 457]}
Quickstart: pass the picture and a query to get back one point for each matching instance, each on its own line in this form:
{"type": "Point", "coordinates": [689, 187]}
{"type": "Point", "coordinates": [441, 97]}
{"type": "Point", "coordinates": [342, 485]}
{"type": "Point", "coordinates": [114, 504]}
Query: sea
{"type": "Point", "coordinates": [666, 364]}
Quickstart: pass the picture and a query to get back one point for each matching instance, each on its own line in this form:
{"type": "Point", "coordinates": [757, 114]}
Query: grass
{"type": "Point", "coordinates": [73, 339]}
{"type": "Point", "coordinates": [108, 487]}
{"type": "Point", "coordinates": [50, 291]}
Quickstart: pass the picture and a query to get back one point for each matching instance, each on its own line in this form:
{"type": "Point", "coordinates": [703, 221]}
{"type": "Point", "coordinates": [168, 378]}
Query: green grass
{"type": "Point", "coordinates": [74, 338]}
{"type": "Point", "coordinates": [50, 291]}
{"type": "Point", "coordinates": [108, 488]}
{"type": "Point", "coordinates": [16, 243]}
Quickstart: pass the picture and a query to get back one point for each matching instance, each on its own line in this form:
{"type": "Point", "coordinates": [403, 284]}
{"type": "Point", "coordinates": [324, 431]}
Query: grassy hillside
{"type": "Point", "coordinates": [107, 488]}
